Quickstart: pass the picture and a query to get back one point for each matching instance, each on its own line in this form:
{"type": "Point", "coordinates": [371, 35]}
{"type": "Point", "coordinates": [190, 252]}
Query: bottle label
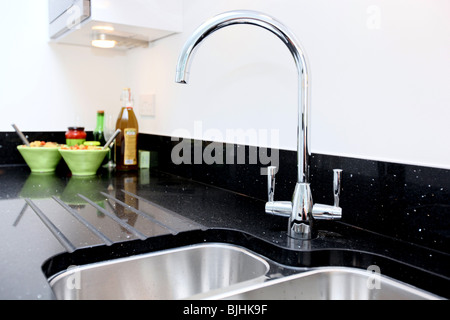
{"type": "Point", "coordinates": [74, 142]}
{"type": "Point", "coordinates": [130, 147]}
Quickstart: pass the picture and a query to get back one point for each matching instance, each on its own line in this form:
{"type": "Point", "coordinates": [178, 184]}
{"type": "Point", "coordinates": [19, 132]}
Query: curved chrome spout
{"type": "Point", "coordinates": [300, 210]}
{"type": "Point", "coordinates": [272, 25]}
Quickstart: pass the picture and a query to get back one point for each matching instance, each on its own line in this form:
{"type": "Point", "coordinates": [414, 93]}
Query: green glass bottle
{"type": "Point", "coordinates": [99, 134]}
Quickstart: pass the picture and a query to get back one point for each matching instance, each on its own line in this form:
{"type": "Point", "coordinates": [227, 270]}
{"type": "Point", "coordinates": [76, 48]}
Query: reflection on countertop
{"type": "Point", "coordinates": [107, 205]}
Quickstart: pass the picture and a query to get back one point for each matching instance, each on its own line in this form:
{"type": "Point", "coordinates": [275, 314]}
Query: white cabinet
{"type": "Point", "coordinates": [128, 22]}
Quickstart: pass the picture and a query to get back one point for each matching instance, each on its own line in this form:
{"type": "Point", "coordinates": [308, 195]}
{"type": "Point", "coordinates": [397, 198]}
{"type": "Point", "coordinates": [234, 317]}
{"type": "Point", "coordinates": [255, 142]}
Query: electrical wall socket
{"type": "Point", "coordinates": [147, 106]}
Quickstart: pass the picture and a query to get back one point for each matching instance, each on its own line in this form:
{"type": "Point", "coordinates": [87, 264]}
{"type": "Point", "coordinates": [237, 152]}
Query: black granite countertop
{"type": "Point", "coordinates": [45, 221]}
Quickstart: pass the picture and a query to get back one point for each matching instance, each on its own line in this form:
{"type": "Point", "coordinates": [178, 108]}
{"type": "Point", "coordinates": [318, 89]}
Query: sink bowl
{"type": "Point", "coordinates": [331, 283]}
{"type": "Point", "coordinates": [219, 271]}
{"type": "Point", "coordinates": [170, 274]}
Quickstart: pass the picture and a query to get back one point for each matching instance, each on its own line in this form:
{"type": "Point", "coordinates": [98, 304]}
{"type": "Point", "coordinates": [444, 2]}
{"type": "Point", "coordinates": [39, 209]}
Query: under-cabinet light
{"type": "Point", "coordinates": [101, 41]}
{"type": "Point", "coordinates": [103, 28]}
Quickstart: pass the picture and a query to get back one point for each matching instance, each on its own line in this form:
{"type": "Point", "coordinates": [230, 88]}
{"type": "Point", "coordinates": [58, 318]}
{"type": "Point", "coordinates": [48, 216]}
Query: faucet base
{"type": "Point", "coordinates": [301, 230]}
{"type": "Point", "coordinates": [300, 221]}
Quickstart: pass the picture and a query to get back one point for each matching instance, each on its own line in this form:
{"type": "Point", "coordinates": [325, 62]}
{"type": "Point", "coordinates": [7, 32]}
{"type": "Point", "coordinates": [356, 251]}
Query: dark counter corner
{"type": "Point", "coordinates": [394, 215]}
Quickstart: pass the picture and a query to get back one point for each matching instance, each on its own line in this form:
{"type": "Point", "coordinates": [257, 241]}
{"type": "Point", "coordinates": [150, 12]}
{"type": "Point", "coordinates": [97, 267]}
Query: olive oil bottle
{"type": "Point", "coordinates": [126, 142]}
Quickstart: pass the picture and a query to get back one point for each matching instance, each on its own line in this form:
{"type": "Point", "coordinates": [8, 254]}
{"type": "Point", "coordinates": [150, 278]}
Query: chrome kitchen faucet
{"type": "Point", "coordinates": [300, 210]}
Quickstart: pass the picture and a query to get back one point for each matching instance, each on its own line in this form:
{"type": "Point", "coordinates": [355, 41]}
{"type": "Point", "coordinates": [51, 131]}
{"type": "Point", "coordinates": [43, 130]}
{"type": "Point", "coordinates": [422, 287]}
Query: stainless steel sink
{"type": "Point", "coordinates": [171, 274]}
{"type": "Point", "coordinates": [330, 284]}
{"type": "Point", "coordinates": [222, 271]}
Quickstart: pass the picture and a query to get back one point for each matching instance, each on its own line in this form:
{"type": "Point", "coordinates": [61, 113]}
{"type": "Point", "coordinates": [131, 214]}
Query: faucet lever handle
{"type": "Point", "coordinates": [337, 181]}
{"type": "Point", "coordinates": [271, 172]}
{"type": "Point", "coordinates": [327, 212]}
{"type": "Point", "coordinates": [276, 208]}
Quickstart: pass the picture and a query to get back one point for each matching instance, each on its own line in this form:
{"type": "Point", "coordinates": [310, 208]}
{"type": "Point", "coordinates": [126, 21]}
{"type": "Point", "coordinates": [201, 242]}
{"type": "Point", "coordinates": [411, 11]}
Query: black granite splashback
{"type": "Point", "coordinates": [406, 202]}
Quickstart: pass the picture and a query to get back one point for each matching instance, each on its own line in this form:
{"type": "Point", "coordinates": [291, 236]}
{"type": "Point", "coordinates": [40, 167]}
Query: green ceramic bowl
{"type": "Point", "coordinates": [83, 162]}
{"type": "Point", "coordinates": [40, 160]}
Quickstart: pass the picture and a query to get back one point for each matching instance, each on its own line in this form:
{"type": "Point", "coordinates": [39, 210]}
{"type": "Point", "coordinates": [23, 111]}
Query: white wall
{"type": "Point", "coordinates": [380, 69]}
{"type": "Point", "coordinates": [46, 86]}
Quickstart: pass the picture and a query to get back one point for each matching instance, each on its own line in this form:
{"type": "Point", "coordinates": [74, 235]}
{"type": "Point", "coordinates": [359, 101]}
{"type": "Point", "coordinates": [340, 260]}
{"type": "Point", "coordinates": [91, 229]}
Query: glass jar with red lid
{"type": "Point", "coordinates": [75, 136]}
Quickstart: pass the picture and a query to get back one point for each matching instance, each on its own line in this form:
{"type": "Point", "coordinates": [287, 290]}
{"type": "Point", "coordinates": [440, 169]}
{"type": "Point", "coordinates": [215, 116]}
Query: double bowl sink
{"type": "Point", "coordinates": [222, 271]}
